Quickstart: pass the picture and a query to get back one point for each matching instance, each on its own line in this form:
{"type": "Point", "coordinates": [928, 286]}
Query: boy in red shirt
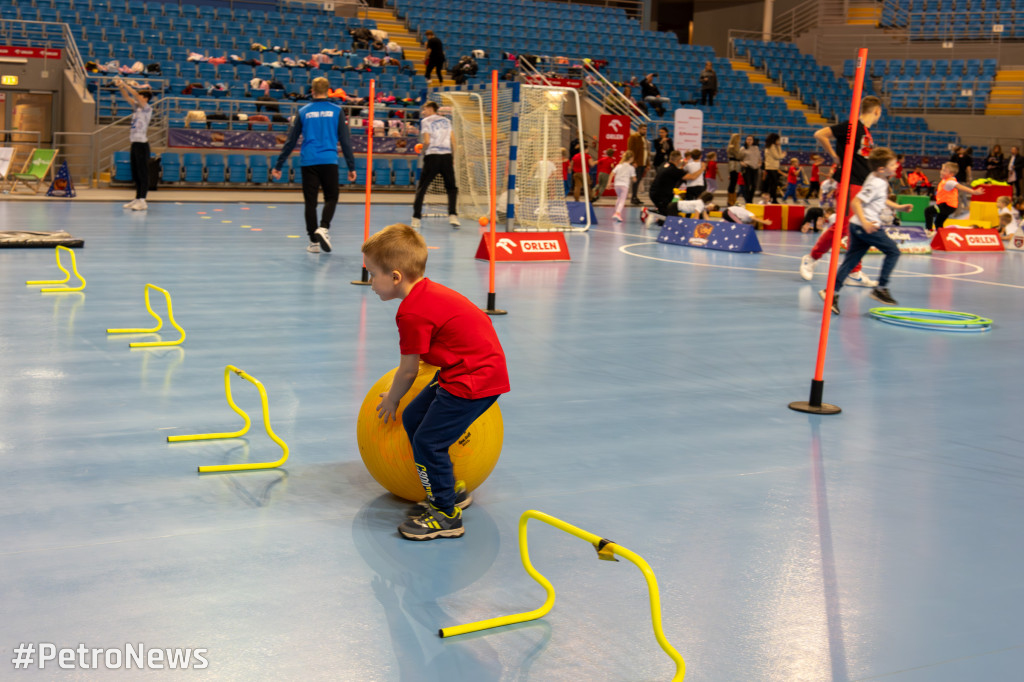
{"type": "Point", "coordinates": [441, 327]}
{"type": "Point", "coordinates": [604, 171]}
{"type": "Point", "coordinates": [711, 173]}
{"type": "Point", "coordinates": [814, 185]}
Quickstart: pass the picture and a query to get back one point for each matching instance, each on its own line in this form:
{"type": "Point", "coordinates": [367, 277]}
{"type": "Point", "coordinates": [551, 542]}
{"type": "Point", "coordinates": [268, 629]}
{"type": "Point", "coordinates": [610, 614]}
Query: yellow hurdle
{"type": "Point", "coordinates": [242, 431]}
{"type": "Point", "coordinates": [159, 323]}
{"type": "Point", "coordinates": [67, 276]}
{"type": "Point", "coordinates": [606, 550]}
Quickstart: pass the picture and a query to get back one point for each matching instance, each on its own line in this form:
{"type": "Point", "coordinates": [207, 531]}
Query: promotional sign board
{"type": "Point", "coordinates": [519, 246]}
{"type": "Point", "coordinates": [689, 129]}
{"type": "Point", "coordinates": [956, 239]}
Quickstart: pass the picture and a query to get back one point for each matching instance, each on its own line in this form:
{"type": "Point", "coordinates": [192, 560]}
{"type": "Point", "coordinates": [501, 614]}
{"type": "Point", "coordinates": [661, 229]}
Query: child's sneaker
{"type": "Point", "coordinates": [835, 301]}
{"type": "Point", "coordinates": [433, 523]}
{"type": "Point", "coordinates": [643, 214]}
{"type": "Point", "coordinates": [882, 294]}
{"type": "Point", "coordinates": [859, 279]}
{"type": "Point", "coordinates": [325, 240]}
{"type": "Point", "coordinates": [463, 498]}
{"type": "Point", "coordinates": [453, 220]}
{"type": "Point", "coordinates": [651, 221]}
{"type": "Point", "coordinates": [807, 267]}
{"type": "Point", "coordinates": [617, 218]}
{"type": "Point", "coordinates": [140, 205]}
{"type": "Point", "coordinates": [131, 204]}
{"type": "Point", "coordinates": [415, 223]}
{"type": "Point", "coordinates": [313, 247]}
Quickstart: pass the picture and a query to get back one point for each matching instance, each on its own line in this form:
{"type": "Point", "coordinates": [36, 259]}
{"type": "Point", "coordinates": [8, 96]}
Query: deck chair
{"type": "Point", "coordinates": [37, 166]}
{"type": "Point", "coordinates": [6, 161]}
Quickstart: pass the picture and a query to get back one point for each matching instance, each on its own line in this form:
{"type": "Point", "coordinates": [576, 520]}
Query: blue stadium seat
{"type": "Point", "coordinates": [122, 167]}
{"type": "Point", "coordinates": [238, 169]}
{"type": "Point", "coordinates": [193, 165]}
{"type": "Point", "coordinates": [170, 167]}
{"type": "Point", "coordinates": [214, 168]}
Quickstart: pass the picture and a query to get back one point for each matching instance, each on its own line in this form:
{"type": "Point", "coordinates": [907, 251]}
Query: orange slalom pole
{"type": "Point", "coordinates": [365, 279]}
{"type": "Point", "coordinates": [814, 404]}
{"type": "Point", "coordinates": [491, 307]}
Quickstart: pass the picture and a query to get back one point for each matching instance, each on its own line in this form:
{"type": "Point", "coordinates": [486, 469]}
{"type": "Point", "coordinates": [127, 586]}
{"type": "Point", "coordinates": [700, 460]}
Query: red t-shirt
{"type": "Point", "coordinates": [576, 168]}
{"type": "Point", "coordinates": [445, 329]}
{"type": "Point", "coordinates": [814, 172]}
{"type": "Point", "coordinates": [605, 164]}
{"type": "Point", "coordinates": [565, 169]}
{"type": "Point", "coordinates": [793, 176]}
{"type": "Point", "coordinates": [712, 170]}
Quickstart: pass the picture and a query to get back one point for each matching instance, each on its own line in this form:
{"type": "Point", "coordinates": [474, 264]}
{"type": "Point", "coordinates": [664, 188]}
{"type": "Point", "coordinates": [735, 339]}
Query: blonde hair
{"type": "Point", "coordinates": [627, 157]}
{"type": "Point", "coordinates": [398, 247]}
{"type": "Point", "coordinates": [734, 144]}
{"type": "Point", "coordinates": [320, 86]}
{"type": "Point", "coordinates": [1003, 201]}
{"type": "Point", "coordinates": [950, 167]}
{"type": "Point", "coordinates": [712, 156]}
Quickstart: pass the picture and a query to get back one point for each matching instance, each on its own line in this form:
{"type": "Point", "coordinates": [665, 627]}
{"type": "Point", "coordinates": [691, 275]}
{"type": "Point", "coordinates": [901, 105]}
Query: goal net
{"type": "Point", "coordinates": [530, 192]}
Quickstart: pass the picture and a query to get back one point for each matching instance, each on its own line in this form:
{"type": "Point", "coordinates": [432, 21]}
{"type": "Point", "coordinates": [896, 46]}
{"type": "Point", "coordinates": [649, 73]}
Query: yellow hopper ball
{"type": "Point", "coordinates": [387, 454]}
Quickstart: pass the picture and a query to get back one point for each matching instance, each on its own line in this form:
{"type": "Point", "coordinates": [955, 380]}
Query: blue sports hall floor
{"type": "Point", "coordinates": [649, 398]}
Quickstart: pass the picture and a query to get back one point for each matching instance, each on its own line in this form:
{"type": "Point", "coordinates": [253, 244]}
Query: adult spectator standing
{"type": "Point", "coordinates": [963, 160]}
{"type": "Point", "coordinates": [773, 156]}
{"type": "Point", "coordinates": [436, 132]}
{"type": "Point", "coordinates": [995, 164]}
{"type": "Point", "coordinates": [435, 56]}
{"type": "Point", "coordinates": [1015, 170]}
{"type": "Point", "coordinates": [750, 166]}
{"type": "Point", "coordinates": [652, 95]}
{"type": "Point", "coordinates": [662, 147]}
{"type": "Point", "coordinates": [142, 112]}
{"type": "Point", "coordinates": [580, 165]}
{"type": "Point", "coordinates": [322, 126]}
{"type": "Point", "coordinates": [708, 84]}
{"type": "Point", "coordinates": [637, 144]}
{"type": "Point", "coordinates": [735, 156]}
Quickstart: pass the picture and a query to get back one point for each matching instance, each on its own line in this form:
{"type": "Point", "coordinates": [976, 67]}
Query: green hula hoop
{"type": "Point", "coordinates": [927, 318]}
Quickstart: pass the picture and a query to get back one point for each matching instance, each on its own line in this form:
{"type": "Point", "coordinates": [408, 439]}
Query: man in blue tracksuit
{"type": "Point", "coordinates": [322, 126]}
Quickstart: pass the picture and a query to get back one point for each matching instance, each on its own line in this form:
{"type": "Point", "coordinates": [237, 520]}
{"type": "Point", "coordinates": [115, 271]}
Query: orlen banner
{"type": "Point", "coordinates": [954, 239]}
{"type": "Point", "coordinates": [614, 134]}
{"type": "Point", "coordinates": [689, 132]}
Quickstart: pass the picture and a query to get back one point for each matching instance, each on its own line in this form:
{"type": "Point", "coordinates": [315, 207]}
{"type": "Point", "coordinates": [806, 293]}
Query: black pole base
{"type": "Point", "coordinates": [814, 404]}
{"type": "Point", "coordinates": [365, 281]}
{"type": "Point", "coordinates": [491, 309]}
{"type": "Point", "coordinates": [823, 408]}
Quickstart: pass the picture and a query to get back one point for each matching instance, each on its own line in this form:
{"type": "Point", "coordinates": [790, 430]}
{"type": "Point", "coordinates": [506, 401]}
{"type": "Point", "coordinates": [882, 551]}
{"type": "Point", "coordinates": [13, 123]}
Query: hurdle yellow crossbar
{"type": "Point", "coordinates": [228, 371]}
{"type": "Point", "coordinates": [67, 276]}
{"type": "Point", "coordinates": [159, 323]}
{"type": "Point", "coordinates": [606, 550]}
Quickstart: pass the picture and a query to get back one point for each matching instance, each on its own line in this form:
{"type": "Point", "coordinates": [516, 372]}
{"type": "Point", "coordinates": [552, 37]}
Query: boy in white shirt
{"type": "Point", "coordinates": [622, 181]}
{"type": "Point", "coordinates": [739, 214]}
{"type": "Point", "coordinates": [866, 229]}
{"type": "Point", "coordinates": [700, 206]}
{"type": "Point", "coordinates": [828, 190]}
{"type": "Point", "coordinates": [694, 174]}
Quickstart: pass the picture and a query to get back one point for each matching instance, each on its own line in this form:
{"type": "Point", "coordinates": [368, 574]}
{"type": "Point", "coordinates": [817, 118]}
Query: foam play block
{"type": "Point", "coordinates": [989, 193]}
{"type": "Point", "coordinates": [794, 216]}
{"type": "Point", "coordinates": [984, 211]}
{"type": "Point", "coordinates": [968, 223]}
{"type": "Point", "coordinates": [774, 213]}
{"type": "Point", "coordinates": [956, 239]}
{"type": "Point", "coordinates": [709, 234]}
{"type": "Point", "coordinates": [919, 203]}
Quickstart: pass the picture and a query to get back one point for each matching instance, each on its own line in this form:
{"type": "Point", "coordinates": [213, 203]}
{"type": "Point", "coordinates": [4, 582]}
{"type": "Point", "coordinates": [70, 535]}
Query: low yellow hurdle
{"type": "Point", "coordinates": [606, 550]}
{"type": "Point", "coordinates": [67, 276]}
{"type": "Point", "coordinates": [228, 370]}
{"type": "Point", "coordinates": [159, 323]}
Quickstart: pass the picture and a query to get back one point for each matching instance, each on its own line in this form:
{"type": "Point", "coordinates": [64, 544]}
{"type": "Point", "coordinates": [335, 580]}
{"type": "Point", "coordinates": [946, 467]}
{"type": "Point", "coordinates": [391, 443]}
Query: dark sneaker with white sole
{"type": "Point", "coordinates": [323, 238]}
{"type": "Point", "coordinates": [882, 294]}
{"type": "Point", "coordinates": [433, 523]}
{"type": "Point", "coordinates": [835, 301]}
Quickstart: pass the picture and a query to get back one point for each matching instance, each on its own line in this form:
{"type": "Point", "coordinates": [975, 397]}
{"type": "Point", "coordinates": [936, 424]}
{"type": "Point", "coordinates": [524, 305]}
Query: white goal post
{"type": "Point", "coordinates": [531, 195]}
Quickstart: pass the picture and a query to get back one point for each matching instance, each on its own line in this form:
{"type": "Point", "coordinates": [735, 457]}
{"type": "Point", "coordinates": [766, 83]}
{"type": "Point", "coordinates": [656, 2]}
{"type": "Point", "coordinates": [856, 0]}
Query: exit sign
{"type": "Point", "coordinates": [8, 80]}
